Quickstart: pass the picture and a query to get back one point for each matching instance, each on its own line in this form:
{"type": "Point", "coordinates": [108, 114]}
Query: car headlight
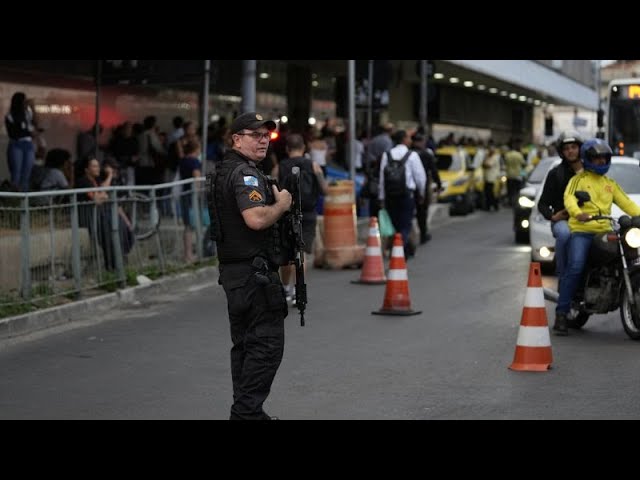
{"type": "Point", "coordinates": [632, 237]}
{"type": "Point", "coordinates": [526, 202]}
{"type": "Point", "coordinates": [445, 185]}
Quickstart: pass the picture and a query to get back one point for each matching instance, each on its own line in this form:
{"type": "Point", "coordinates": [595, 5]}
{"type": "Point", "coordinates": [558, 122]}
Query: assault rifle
{"type": "Point", "coordinates": [291, 228]}
{"type": "Point", "coordinates": [298, 243]}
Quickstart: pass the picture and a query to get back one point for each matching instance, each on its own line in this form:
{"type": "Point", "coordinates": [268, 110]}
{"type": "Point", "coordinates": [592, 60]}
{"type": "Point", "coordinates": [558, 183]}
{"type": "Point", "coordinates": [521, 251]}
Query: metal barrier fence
{"type": "Point", "coordinates": [59, 246]}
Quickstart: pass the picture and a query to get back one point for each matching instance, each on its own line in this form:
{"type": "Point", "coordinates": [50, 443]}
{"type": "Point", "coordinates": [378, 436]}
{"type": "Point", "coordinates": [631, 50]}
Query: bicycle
{"type": "Point", "coordinates": [142, 213]}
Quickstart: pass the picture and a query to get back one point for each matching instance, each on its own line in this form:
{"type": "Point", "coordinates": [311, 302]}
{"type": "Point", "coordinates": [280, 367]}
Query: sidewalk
{"type": "Point", "coordinates": [33, 322]}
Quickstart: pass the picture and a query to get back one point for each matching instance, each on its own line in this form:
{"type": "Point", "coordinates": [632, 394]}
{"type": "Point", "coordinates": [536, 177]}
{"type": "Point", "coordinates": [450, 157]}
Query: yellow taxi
{"type": "Point", "coordinates": [456, 174]}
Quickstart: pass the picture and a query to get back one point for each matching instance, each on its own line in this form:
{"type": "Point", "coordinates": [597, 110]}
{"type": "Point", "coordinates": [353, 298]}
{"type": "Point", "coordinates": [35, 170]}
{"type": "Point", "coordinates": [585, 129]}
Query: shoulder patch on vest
{"type": "Point", "coordinates": [255, 196]}
{"type": "Point", "coordinates": [251, 181]}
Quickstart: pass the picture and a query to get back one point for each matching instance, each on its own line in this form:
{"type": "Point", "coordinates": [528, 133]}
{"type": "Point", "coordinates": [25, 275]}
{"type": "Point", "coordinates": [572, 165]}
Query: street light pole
{"type": "Point", "coordinates": [98, 93]}
{"type": "Point", "coordinates": [423, 95]}
{"type": "Point", "coordinates": [370, 100]}
{"type": "Point", "coordinates": [599, 110]}
{"type": "Point", "coordinates": [598, 81]}
{"type": "Point", "coordinates": [352, 120]}
{"type": "Point", "coordinates": [205, 112]}
{"type": "Point", "coordinates": [249, 85]}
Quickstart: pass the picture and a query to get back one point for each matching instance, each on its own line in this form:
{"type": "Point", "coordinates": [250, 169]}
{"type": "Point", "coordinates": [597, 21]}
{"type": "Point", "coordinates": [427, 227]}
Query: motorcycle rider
{"type": "Point", "coordinates": [551, 203]}
{"type": "Point", "coordinates": [596, 156]}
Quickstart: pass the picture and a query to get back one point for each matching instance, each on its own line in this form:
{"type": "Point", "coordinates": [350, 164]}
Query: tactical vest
{"type": "Point", "coordinates": [237, 242]}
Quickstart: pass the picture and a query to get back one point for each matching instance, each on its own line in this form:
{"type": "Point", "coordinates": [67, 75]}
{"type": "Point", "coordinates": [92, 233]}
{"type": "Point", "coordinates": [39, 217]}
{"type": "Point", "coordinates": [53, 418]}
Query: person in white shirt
{"type": "Point", "coordinates": [319, 150]}
{"type": "Point", "coordinates": [400, 203]}
{"type": "Point", "coordinates": [491, 173]}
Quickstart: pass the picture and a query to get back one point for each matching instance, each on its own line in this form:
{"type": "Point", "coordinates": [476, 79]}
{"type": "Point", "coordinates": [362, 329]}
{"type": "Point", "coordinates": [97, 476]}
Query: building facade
{"type": "Point", "coordinates": [500, 99]}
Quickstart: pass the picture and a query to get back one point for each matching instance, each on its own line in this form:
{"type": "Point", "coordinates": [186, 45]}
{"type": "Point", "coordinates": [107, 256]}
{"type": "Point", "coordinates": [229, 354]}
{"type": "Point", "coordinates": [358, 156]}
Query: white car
{"type": "Point", "coordinates": [526, 198]}
{"type": "Point", "coordinates": [624, 170]}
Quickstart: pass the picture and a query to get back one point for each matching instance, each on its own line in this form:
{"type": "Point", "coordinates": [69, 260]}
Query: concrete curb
{"type": "Point", "coordinates": [11, 327]}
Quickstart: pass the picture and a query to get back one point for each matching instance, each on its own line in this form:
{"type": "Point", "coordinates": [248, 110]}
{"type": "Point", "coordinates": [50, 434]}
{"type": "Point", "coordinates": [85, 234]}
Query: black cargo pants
{"type": "Point", "coordinates": [257, 309]}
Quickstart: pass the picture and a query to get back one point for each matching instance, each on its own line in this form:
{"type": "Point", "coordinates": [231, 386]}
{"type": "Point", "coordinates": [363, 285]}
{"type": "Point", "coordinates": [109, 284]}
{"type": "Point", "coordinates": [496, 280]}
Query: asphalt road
{"type": "Point", "coordinates": [169, 359]}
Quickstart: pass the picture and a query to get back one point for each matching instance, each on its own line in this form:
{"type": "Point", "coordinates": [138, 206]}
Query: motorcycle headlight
{"type": "Point", "coordinates": [526, 202]}
{"type": "Point", "coordinates": [632, 237]}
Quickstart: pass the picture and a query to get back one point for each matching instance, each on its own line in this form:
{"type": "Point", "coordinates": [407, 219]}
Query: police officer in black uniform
{"type": "Point", "coordinates": [247, 211]}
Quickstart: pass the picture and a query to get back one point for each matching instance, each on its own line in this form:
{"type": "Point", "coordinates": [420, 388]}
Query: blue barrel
{"type": "Point", "coordinates": [334, 174]}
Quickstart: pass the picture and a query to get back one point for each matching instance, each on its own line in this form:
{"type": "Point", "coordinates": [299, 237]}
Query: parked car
{"type": "Point", "coordinates": [624, 170]}
{"type": "Point", "coordinates": [456, 175]}
{"type": "Point", "coordinates": [526, 199]}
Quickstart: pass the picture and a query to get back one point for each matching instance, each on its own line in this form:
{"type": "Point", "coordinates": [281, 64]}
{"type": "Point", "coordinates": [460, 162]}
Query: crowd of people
{"type": "Point", "coordinates": [134, 154]}
{"type": "Point", "coordinates": [144, 154]}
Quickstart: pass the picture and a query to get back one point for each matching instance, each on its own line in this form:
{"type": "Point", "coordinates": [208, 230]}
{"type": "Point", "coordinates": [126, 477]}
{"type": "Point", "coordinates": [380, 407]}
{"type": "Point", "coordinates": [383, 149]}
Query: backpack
{"type": "Point", "coordinates": [309, 187]}
{"type": "Point", "coordinates": [395, 178]}
{"type": "Point", "coordinates": [309, 190]}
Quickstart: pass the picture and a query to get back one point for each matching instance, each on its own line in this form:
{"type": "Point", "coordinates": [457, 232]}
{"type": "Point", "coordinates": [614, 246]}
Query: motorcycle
{"type": "Point", "coordinates": [611, 279]}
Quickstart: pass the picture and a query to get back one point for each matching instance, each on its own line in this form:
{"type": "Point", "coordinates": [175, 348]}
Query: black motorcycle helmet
{"type": "Point", "coordinates": [568, 136]}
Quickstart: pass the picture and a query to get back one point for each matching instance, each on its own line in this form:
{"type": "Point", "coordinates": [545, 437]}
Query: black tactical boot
{"type": "Point", "coordinates": [560, 327]}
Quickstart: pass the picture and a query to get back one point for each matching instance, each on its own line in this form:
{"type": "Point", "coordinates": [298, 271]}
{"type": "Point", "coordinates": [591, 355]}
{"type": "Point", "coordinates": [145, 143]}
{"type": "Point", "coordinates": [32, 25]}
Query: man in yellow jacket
{"type": "Point", "coordinates": [603, 192]}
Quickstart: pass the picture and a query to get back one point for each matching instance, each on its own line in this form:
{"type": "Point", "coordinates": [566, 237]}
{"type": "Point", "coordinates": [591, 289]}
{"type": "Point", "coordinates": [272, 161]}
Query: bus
{"type": "Point", "coordinates": [622, 130]}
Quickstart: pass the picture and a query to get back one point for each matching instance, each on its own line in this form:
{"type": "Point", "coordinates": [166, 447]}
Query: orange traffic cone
{"type": "Point", "coordinates": [396, 296]}
{"type": "Point", "coordinates": [533, 347]}
{"type": "Point", "coordinates": [373, 267]}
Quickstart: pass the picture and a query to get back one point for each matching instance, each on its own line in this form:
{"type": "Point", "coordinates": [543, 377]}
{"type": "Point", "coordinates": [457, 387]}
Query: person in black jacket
{"type": "Point", "coordinates": [551, 203]}
{"type": "Point", "coordinates": [428, 158]}
{"type": "Point", "coordinates": [312, 173]}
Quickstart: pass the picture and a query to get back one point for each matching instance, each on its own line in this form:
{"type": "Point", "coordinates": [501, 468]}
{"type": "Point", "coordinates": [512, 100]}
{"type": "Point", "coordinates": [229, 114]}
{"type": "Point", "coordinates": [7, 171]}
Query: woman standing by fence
{"type": "Point", "coordinates": [20, 129]}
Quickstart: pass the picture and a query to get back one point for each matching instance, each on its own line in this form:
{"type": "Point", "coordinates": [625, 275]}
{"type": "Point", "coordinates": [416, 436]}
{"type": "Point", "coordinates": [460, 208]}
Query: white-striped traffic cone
{"type": "Point", "coordinates": [533, 347]}
{"type": "Point", "coordinates": [396, 295]}
{"type": "Point", "coordinates": [373, 267]}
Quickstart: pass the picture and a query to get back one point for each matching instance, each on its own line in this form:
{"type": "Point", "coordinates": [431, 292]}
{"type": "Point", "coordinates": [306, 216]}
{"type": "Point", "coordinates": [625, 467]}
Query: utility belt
{"type": "Point", "coordinates": [236, 274]}
{"type": "Point", "coordinates": [258, 263]}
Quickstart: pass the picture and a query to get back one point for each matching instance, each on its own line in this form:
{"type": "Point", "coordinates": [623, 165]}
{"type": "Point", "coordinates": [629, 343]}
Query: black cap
{"type": "Point", "coordinates": [251, 121]}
